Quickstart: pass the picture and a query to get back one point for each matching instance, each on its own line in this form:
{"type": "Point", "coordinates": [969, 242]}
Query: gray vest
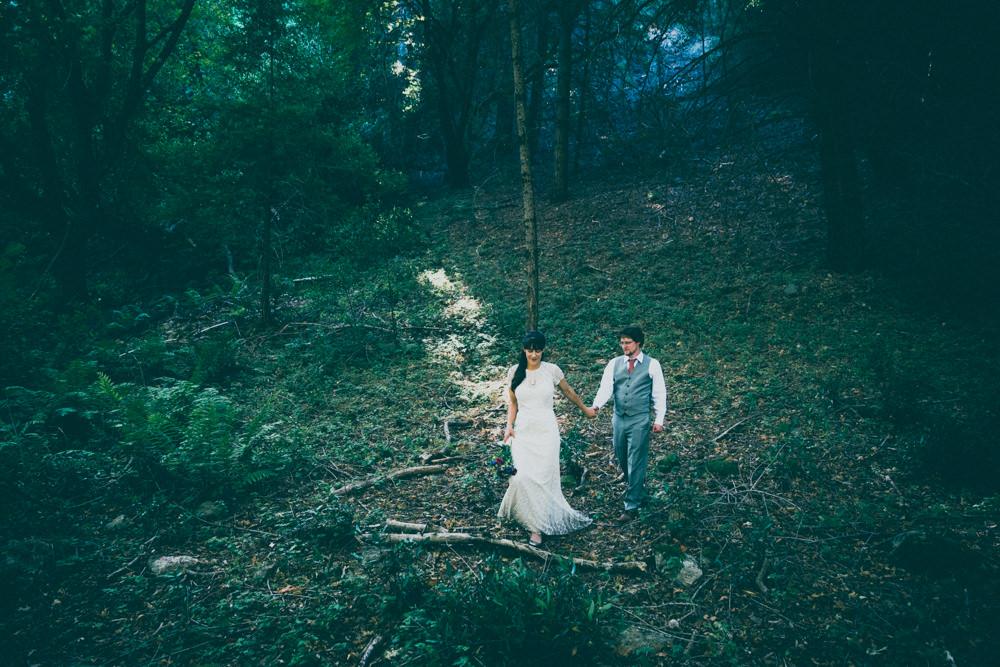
{"type": "Point", "coordinates": [633, 391]}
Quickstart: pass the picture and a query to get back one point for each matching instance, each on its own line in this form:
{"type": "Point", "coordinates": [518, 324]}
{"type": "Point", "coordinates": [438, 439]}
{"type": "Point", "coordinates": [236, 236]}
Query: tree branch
{"type": "Point", "coordinates": [380, 479]}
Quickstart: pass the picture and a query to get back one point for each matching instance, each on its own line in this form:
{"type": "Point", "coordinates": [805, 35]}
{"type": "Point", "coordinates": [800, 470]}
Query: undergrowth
{"type": "Point", "coordinates": [827, 463]}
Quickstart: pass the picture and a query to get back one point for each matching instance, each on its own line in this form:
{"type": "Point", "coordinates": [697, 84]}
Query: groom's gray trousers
{"type": "Point", "coordinates": [631, 442]}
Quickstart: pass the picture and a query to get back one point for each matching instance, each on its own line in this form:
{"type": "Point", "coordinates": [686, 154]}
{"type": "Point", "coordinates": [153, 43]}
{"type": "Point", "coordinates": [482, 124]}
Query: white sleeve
{"type": "Point", "coordinates": [659, 391]}
{"type": "Point", "coordinates": [607, 386]}
{"type": "Point", "coordinates": [556, 373]}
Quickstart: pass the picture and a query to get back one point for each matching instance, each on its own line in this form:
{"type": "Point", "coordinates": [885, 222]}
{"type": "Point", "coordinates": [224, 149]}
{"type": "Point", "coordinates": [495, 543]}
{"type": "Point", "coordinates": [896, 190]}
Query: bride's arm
{"type": "Point", "coordinates": [572, 396]}
{"type": "Point", "coordinates": [511, 415]}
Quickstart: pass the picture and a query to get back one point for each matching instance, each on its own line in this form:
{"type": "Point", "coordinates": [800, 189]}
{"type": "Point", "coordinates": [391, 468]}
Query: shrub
{"type": "Point", "coordinates": [505, 615]}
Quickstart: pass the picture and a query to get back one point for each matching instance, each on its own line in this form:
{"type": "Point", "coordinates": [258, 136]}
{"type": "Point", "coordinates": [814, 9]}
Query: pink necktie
{"type": "Point", "coordinates": [631, 365]}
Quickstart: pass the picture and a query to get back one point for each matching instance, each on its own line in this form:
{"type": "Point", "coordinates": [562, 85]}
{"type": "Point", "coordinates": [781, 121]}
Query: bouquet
{"type": "Point", "coordinates": [502, 463]}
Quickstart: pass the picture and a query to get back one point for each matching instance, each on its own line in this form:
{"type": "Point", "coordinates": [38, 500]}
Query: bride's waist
{"type": "Point", "coordinates": [536, 418]}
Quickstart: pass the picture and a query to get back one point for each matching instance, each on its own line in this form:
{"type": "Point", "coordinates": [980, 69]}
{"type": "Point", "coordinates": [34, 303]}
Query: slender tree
{"type": "Point", "coordinates": [527, 185]}
{"type": "Point", "coordinates": [270, 205]}
{"type": "Point", "coordinates": [535, 67]}
{"type": "Point", "coordinates": [568, 13]}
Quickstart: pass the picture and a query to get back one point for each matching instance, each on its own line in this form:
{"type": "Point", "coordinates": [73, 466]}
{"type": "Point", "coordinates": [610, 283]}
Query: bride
{"type": "Point", "coordinates": [534, 497]}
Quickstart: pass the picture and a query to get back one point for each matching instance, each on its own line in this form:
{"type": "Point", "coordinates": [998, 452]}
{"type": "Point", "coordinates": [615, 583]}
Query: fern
{"type": "Point", "coordinates": [254, 478]}
{"type": "Point", "coordinates": [107, 388]}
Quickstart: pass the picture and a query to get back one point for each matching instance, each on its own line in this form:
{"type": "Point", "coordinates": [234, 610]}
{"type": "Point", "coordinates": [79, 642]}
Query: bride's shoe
{"type": "Point", "coordinates": [535, 540]}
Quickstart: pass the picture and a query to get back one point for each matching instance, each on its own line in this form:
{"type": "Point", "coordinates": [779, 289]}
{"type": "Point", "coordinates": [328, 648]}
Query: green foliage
{"type": "Point", "coordinates": [215, 361]}
{"type": "Point", "coordinates": [504, 615]}
{"type": "Point", "coordinates": [571, 452]}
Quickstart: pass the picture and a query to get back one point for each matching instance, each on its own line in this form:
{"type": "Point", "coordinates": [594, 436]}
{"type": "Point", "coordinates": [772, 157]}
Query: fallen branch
{"type": "Point", "coordinates": [380, 479]}
{"type": "Point", "coordinates": [413, 527]}
{"type": "Point", "coordinates": [457, 425]}
{"type": "Point", "coordinates": [370, 650]}
{"type": "Point", "coordinates": [629, 567]}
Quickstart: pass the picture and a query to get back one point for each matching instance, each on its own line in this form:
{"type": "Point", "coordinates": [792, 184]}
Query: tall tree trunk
{"type": "Point", "coordinates": [838, 161]}
{"type": "Point", "coordinates": [584, 88]}
{"type": "Point", "coordinates": [527, 185]}
{"type": "Point", "coordinates": [503, 135]}
{"type": "Point", "coordinates": [270, 203]}
{"type": "Point", "coordinates": [568, 11]}
{"type": "Point", "coordinates": [534, 110]}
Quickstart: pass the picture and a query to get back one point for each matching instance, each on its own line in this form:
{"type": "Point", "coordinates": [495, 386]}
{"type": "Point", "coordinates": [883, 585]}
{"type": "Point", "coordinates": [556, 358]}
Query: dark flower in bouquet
{"type": "Point", "coordinates": [502, 463]}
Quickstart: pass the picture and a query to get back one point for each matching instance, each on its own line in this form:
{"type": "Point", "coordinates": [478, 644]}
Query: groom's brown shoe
{"type": "Point", "coordinates": [627, 516]}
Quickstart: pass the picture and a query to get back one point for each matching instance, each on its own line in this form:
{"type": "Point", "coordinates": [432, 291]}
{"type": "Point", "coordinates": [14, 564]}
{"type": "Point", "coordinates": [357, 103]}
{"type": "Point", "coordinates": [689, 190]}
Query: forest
{"type": "Point", "coordinates": [265, 264]}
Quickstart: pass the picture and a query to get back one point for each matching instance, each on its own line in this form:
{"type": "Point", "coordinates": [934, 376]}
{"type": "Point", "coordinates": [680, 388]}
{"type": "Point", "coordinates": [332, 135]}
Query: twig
{"type": "Point", "coordinates": [761, 574]}
{"type": "Point", "coordinates": [396, 474]}
{"type": "Point", "coordinates": [126, 566]}
{"type": "Point", "coordinates": [449, 459]}
{"type": "Point", "coordinates": [310, 279]}
{"type": "Point", "coordinates": [594, 268]}
{"type": "Point", "coordinates": [726, 432]}
{"type": "Point", "coordinates": [214, 326]}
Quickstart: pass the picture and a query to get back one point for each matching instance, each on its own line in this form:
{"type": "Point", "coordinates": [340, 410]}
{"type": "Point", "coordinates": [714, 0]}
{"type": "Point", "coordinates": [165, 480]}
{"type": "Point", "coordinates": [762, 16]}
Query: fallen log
{"type": "Point", "coordinates": [617, 567]}
{"type": "Point", "coordinates": [381, 479]}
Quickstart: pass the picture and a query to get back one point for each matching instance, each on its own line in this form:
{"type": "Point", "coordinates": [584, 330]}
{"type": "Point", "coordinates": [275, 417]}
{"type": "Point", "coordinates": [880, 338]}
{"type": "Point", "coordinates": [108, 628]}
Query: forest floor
{"type": "Point", "coordinates": [800, 471]}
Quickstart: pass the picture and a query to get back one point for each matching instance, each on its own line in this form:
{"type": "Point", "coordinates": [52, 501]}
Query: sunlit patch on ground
{"type": "Point", "coordinates": [454, 348]}
{"type": "Point", "coordinates": [437, 279]}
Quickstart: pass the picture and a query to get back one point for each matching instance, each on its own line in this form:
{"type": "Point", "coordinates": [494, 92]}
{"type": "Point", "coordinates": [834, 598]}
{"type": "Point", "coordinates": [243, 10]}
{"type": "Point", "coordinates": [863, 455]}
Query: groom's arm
{"type": "Point", "coordinates": [606, 388]}
{"type": "Point", "coordinates": [659, 394]}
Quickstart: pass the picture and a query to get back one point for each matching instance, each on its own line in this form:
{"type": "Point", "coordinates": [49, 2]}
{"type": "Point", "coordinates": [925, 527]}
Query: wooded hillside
{"type": "Point", "coordinates": [265, 266]}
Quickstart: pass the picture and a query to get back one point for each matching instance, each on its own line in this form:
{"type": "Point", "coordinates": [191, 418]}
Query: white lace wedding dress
{"type": "Point", "coordinates": [534, 497]}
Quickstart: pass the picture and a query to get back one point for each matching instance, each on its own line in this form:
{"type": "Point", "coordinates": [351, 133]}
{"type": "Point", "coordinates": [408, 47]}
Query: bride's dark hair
{"type": "Point", "coordinates": [533, 340]}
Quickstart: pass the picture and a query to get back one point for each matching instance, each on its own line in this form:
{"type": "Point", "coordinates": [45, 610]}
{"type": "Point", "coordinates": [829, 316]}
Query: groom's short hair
{"type": "Point", "coordinates": [633, 331]}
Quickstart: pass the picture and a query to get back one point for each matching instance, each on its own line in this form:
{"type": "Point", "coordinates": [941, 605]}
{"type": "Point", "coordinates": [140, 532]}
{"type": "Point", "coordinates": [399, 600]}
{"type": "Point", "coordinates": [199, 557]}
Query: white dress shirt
{"type": "Point", "coordinates": [606, 390]}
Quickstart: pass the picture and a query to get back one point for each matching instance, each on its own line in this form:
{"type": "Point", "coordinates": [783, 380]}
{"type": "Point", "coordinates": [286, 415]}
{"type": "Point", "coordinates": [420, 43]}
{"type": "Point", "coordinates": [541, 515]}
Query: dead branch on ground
{"type": "Point", "coordinates": [444, 537]}
{"type": "Point", "coordinates": [380, 479]}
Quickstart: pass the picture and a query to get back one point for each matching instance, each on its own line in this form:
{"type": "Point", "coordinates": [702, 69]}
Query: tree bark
{"type": "Point", "coordinates": [267, 178]}
{"type": "Point", "coordinates": [527, 184]}
{"type": "Point", "coordinates": [568, 11]}
{"type": "Point", "coordinates": [537, 70]}
{"type": "Point", "coordinates": [581, 118]}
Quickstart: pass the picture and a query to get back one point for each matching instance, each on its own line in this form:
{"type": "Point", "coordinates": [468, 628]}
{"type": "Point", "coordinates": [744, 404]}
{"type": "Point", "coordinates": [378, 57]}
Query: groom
{"type": "Point", "coordinates": [635, 382]}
